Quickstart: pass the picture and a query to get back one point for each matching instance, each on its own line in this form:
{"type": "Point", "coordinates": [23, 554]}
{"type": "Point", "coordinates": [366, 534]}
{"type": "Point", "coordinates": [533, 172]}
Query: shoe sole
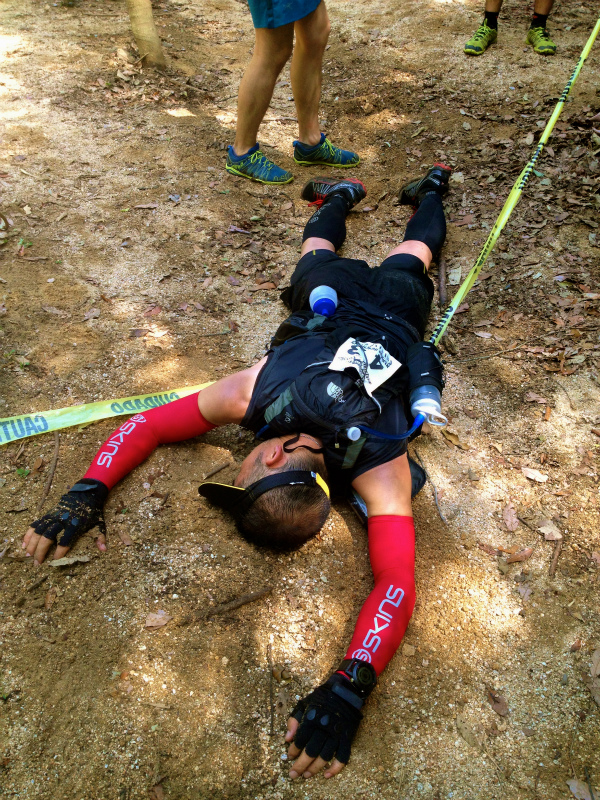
{"type": "Point", "coordinates": [326, 164]}
{"type": "Point", "coordinates": [543, 52]}
{"type": "Point", "coordinates": [234, 171]}
{"type": "Point", "coordinates": [478, 52]}
{"type": "Point", "coordinates": [349, 180]}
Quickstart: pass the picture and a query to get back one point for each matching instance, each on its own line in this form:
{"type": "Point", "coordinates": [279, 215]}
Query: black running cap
{"type": "Point", "coordinates": [237, 500]}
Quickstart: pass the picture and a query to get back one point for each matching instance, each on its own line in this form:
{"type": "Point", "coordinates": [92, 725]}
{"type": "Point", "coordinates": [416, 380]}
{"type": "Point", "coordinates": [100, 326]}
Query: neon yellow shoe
{"type": "Point", "coordinates": [541, 42]}
{"type": "Point", "coordinates": [481, 40]}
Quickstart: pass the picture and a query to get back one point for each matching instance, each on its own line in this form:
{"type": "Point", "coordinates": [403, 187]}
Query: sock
{"type": "Point", "coordinates": [329, 221]}
{"type": "Point", "coordinates": [234, 157]}
{"type": "Point", "coordinates": [309, 148]}
{"type": "Point", "coordinates": [539, 21]}
{"type": "Point", "coordinates": [491, 19]}
{"type": "Point", "coordinates": [428, 223]}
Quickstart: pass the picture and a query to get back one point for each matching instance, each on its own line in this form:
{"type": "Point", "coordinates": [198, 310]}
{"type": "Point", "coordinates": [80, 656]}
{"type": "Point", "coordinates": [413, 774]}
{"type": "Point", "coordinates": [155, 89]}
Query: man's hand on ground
{"type": "Point", "coordinates": [77, 511]}
{"type": "Point", "coordinates": [321, 729]}
{"type": "Point", "coordinates": [306, 765]}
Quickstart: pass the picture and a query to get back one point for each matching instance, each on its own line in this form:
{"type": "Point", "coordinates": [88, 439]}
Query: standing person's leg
{"type": "Point", "coordinates": [306, 72]}
{"type": "Point", "coordinates": [537, 36]}
{"type": "Point", "coordinates": [272, 48]}
{"type": "Point", "coordinates": [487, 33]}
{"type": "Point", "coordinates": [312, 146]}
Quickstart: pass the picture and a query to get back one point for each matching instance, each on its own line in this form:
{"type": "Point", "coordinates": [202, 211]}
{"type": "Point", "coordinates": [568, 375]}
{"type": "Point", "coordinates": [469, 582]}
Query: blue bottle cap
{"type": "Point", "coordinates": [324, 306]}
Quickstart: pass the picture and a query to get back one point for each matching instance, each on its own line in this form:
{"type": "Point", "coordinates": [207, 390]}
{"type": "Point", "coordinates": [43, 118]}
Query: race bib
{"type": "Point", "coordinates": [372, 362]}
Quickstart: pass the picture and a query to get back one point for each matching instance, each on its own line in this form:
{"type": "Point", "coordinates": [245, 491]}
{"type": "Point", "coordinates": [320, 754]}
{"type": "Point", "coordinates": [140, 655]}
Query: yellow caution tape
{"type": "Point", "coordinates": [513, 197]}
{"type": "Point", "coordinates": [26, 425]}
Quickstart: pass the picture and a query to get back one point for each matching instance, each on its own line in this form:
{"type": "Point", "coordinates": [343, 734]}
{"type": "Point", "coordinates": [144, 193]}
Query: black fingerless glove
{"type": "Point", "coordinates": [77, 511]}
{"type": "Point", "coordinates": [329, 718]}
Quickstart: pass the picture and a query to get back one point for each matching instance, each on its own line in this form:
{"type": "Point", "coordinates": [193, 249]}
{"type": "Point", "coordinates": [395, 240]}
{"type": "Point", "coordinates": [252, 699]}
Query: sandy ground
{"type": "Point", "coordinates": [101, 299]}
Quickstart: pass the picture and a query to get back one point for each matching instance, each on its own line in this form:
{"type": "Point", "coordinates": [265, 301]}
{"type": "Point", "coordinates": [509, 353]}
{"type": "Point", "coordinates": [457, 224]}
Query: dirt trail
{"type": "Point", "coordinates": [124, 272]}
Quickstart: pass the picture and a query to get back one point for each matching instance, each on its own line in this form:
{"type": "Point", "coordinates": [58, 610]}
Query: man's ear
{"type": "Point", "coordinates": [274, 456]}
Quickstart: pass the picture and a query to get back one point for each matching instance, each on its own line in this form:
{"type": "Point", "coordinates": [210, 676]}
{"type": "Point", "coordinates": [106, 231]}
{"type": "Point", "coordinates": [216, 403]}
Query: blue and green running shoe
{"type": "Point", "coordinates": [255, 165]}
{"type": "Point", "coordinates": [324, 154]}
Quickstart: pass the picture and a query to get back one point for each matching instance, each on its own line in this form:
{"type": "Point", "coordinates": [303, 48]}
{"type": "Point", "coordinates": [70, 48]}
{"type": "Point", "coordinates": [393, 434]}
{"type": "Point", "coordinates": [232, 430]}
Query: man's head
{"type": "Point", "coordinates": [287, 516]}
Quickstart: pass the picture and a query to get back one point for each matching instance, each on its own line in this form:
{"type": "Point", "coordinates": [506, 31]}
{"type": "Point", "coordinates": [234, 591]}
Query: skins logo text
{"type": "Point", "coordinates": [106, 456]}
{"type": "Point", "coordinates": [381, 621]}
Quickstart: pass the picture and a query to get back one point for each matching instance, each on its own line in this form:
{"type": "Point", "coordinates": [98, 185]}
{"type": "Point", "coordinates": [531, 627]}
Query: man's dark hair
{"type": "Point", "coordinates": [286, 517]}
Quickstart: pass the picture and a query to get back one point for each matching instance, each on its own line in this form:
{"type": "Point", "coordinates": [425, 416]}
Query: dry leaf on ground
{"type": "Point", "coordinates": [453, 439]}
{"type": "Point", "coordinates": [593, 681]}
{"type": "Point", "coordinates": [156, 619]}
{"type": "Point", "coordinates": [595, 669]}
{"type": "Point", "coordinates": [156, 793]}
{"type": "Point", "coordinates": [550, 531]}
{"type": "Point", "coordinates": [532, 397]}
{"type": "Point", "coordinates": [498, 703]}
{"type": "Point", "coordinates": [487, 548]}
{"type": "Point", "coordinates": [534, 474]}
{"type": "Point", "coordinates": [68, 560]}
{"type": "Point", "coordinates": [472, 736]}
{"type": "Point", "coordinates": [580, 789]}
{"type": "Point", "coordinates": [522, 555]}
{"type": "Point", "coordinates": [509, 515]}
{"type": "Point", "coordinates": [50, 598]}
{"type": "Point", "coordinates": [125, 538]}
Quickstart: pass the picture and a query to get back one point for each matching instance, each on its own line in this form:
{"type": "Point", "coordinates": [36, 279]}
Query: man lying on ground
{"type": "Point", "coordinates": [330, 398]}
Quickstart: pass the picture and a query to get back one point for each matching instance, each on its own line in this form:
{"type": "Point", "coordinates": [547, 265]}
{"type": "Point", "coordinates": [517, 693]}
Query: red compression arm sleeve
{"type": "Point", "coordinates": [133, 442]}
{"type": "Point", "coordinates": [386, 612]}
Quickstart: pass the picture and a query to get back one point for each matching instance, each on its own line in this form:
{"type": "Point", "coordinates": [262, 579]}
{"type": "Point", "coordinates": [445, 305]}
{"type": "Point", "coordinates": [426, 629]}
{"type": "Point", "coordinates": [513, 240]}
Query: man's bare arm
{"type": "Point", "coordinates": [226, 400]}
{"type": "Point", "coordinates": [386, 488]}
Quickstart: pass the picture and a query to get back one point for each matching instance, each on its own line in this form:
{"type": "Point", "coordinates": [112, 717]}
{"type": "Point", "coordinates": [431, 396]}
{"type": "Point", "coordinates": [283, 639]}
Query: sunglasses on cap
{"type": "Point", "coordinates": [238, 500]}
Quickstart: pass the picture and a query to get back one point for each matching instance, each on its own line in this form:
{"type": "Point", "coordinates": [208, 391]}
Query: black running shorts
{"type": "Point", "coordinates": [400, 285]}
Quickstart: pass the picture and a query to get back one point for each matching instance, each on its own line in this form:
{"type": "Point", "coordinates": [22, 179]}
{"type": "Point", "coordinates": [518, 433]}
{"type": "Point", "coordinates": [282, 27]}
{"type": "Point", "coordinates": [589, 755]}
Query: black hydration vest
{"type": "Point", "coordinates": [323, 402]}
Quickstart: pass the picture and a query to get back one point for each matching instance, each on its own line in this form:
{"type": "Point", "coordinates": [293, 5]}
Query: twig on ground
{"type": "Point", "coordinates": [219, 333]}
{"type": "Point", "coordinates": [433, 486]}
{"type": "Point", "coordinates": [48, 484]}
{"type": "Point", "coordinates": [271, 694]}
{"type": "Point", "coordinates": [589, 783]}
{"type": "Point", "coordinates": [577, 720]}
{"type": "Point", "coordinates": [223, 608]}
{"type": "Point", "coordinates": [250, 597]}
{"type": "Point", "coordinates": [443, 294]}
{"type": "Point", "coordinates": [217, 469]}
{"type": "Point", "coordinates": [554, 562]}
{"type": "Point", "coordinates": [37, 583]}
{"type": "Point", "coordinates": [528, 524]}
{"type": "Point", "coordinates": [162, 706]}
{"type": "Point", "coordinates": [558, 383]}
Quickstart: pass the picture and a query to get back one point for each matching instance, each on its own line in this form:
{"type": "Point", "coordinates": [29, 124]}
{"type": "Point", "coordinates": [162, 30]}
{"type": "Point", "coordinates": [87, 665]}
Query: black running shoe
{"type": "Point", "coordinates": [318, 190]}
{"type": "Point", "coordinates": [436, 181]}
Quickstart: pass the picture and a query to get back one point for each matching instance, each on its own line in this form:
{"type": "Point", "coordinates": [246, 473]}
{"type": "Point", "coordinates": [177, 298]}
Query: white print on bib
{"type": "Point", "coordinates": [372, 362]}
